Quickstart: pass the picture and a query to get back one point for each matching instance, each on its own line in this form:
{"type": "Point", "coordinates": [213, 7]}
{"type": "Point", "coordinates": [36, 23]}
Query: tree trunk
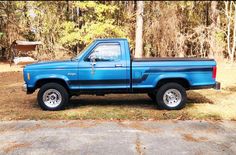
{"type": "Point", "coordinates": [213, 52]}
{"type": "Point", "coordinates": [228, 27]}
{"type": "Point", "coordinates": [214, 13]}
{"type": "Point", "coordinates": [234, 34]}
{"type": "Point", "coordinates": [231, 41]}
{"type": "Point", "coordinates": [207, 13]}
{"type": "Point", "coordinates": [139, 30]}
{"type": "Point", "coordinates": [67, 10]}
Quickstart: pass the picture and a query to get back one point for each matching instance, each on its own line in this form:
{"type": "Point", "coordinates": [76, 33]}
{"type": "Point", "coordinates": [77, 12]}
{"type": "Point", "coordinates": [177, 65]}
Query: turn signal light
{"type": "Point", "coordinates": [28, 76]}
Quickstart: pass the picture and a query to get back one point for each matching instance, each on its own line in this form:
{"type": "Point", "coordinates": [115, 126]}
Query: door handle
{"type": "Point", "coordinates": [93, 64]}
{"type": "Point", "coordinates": [118, 65]}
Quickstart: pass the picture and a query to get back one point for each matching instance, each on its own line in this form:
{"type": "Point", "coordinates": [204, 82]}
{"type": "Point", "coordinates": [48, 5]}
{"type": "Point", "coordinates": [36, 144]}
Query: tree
{"type": "Point", "coordinates": [164, 29]}
{"type": "Point", "coordinates": [139, 30]}
{"type": "Point", "coordinates": [97, 21]}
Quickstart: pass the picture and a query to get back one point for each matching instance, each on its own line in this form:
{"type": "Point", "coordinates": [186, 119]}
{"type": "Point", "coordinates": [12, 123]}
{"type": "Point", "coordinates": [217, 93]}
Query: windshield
{"type": "Point", "coordinates": [78, 55]}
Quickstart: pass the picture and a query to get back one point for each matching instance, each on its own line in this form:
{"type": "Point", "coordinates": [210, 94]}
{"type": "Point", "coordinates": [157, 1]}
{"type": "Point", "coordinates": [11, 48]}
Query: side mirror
{"type": "Point", "coordinates": [93, 56]}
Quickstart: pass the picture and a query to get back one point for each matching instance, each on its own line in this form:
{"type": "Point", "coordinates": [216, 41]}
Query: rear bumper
{"type": "Point", "coordinates": [216, 86]}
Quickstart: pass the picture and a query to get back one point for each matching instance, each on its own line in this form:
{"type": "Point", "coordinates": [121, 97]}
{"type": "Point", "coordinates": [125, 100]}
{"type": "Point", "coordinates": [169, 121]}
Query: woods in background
{"type": "Point", "coordinates": [178, 29]}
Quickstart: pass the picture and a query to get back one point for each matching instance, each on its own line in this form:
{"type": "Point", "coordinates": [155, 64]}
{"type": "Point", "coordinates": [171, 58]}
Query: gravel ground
{"type": "Point", "coordinates": [117, 137]}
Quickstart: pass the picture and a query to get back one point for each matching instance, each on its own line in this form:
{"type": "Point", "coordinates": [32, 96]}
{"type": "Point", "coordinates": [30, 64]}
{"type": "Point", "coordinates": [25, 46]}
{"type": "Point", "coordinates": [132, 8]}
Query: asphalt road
{"type": "Point", "coordinates": [113, 137]}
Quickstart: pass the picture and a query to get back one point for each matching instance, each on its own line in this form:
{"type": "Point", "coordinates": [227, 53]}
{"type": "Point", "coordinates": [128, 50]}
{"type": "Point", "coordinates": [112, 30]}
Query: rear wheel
{"type": "Point", "coordinates": [171, 96]}
{"type": "Point", "coordinates": [52, 96]}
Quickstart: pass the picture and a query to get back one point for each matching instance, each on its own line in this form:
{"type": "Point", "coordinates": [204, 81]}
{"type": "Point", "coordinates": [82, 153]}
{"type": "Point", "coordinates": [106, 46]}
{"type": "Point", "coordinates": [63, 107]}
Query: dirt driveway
{"type": "Point", "coordinates": [113, 137]}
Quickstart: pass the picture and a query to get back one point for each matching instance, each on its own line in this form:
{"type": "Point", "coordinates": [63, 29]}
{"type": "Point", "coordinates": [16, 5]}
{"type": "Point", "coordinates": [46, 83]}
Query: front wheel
{"type": "Point", "coordinates": [52, 96]}
{"type": "Point", "coordinates": [171, 96]}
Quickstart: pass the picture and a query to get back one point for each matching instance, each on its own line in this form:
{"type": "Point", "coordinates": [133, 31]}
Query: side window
{"type": "Point", "coordinates": [106, 52]}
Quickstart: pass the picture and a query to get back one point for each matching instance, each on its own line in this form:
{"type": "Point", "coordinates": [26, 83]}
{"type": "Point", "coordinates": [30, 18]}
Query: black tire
{"type": "Point", "coordinates": [63, 92]}
{"type": "Point", "coordinates": [70, 96]}
{"type": "Point", "coordinates": [177, 88]}
{"type": "Point", "coordinates": [152, 95]}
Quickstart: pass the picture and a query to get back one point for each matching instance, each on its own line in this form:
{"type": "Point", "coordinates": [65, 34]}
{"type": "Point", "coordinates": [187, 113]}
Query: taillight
{"type": "Point", "coordinates": [214, 72]}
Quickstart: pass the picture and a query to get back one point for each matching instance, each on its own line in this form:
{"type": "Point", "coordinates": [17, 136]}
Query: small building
{"type": "Point", "coordinates": [20, 51]}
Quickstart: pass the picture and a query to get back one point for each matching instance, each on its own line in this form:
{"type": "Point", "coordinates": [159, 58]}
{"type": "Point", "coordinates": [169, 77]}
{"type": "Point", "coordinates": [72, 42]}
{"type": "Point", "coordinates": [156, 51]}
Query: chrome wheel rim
{"type": "Point", "coordinates": [52, 98]}
{"type": "Point", "coordinates": [172, 97]}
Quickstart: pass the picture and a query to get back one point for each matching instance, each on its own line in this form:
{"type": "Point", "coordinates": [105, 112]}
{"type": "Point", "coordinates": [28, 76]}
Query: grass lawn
{"type": "Point", "coordinates": [202, 104]}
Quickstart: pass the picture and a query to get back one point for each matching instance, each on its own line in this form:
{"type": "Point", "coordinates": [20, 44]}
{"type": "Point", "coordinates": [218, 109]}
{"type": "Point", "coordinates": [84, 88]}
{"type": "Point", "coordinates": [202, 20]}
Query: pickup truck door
{"type": "Point", "coordinates": [104, 67]}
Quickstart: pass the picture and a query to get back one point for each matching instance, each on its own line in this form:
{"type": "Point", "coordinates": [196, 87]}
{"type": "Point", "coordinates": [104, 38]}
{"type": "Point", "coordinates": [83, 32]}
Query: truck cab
{"type": "Point", "coordinates": [106, 66]}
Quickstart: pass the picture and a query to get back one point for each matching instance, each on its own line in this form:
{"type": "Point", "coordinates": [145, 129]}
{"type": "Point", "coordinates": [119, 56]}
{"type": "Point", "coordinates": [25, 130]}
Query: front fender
{"type": "Point", "coordinates": [36, 78]}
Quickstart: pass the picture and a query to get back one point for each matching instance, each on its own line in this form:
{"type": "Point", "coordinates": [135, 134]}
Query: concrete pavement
{"type": "Point", "coordinates": [113, 137]}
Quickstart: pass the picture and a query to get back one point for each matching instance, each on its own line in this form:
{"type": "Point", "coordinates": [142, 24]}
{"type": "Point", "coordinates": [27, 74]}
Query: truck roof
{"type": "Point", "coordinates": [110, 39]}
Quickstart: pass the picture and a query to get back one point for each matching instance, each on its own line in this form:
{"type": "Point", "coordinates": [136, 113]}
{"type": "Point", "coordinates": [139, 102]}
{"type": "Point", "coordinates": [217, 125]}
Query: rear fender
{"type": "Point", "coordinates": [171, 76]}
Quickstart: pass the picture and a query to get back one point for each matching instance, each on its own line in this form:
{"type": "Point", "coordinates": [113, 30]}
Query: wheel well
{"type": "Point", "coordinates": [183, 82]}
{"type": "Point", "coordinates": [41, 82]}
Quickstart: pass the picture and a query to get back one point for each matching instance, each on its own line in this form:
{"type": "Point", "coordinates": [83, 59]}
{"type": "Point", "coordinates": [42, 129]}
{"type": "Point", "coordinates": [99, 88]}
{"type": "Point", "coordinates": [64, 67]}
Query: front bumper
{"type": "Point", "coordinates": [24, 87]}
{"type": "Point", "coordinates": [27, 90]}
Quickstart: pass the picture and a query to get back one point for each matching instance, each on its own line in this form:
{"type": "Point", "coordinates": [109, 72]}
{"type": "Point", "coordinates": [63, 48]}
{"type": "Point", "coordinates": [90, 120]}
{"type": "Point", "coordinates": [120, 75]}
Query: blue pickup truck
{"type": "Point", "coordinates": [106, 66]}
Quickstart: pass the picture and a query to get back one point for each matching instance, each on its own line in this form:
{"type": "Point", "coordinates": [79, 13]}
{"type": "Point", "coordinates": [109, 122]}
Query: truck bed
{"type": "Point", "coordinates": [148, 71]}
{"type": "Point", "coordinates": [170, 59]}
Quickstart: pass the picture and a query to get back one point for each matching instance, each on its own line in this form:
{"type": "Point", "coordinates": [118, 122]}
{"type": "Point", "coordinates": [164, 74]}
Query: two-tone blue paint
{"type": "Point", "coordinates": [122, 74]}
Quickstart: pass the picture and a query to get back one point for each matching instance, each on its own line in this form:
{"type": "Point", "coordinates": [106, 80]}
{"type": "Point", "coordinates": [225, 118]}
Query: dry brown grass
{"type": "Point", "coordinates": [6, 67]}
{"type": "Point", "coordinates": [202, 104]}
